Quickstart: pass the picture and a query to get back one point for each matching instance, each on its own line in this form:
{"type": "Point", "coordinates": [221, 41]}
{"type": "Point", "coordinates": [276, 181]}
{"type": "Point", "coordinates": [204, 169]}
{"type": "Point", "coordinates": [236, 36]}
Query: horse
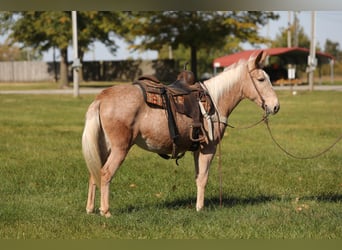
{"type": "Point", "coordinates": [119, 118]}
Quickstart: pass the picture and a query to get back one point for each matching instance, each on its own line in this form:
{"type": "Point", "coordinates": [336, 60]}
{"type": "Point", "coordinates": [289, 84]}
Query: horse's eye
{"type": "Point", "coordinates": [261, 79]}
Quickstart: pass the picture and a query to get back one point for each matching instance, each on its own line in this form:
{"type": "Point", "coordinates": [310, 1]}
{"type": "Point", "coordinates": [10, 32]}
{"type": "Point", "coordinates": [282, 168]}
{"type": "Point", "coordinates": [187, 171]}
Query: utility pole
{"type": "Point", "coordinates": [295, 29]}
{"type": "Point", "coordinates": [289, 30]}
{"type": "Point", "coordinates": [76, 64]}
{"type": "Point", "coordinates": [312, 62]}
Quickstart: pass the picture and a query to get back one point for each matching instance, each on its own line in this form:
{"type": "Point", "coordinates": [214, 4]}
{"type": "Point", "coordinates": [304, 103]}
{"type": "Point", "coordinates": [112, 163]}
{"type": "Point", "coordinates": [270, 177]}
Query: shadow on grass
{"type": "Point", "coordinates": [227, 202]}
{"type": "Point", "coordinates": [210, 203]}
{"type": "Point", "coordinates": [336, 198]}
{"type": "Point", "coordinates": [214, 202]}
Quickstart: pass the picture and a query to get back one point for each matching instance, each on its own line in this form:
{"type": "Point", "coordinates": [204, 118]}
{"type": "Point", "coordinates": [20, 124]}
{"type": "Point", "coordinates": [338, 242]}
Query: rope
{"type": "Point", "coordinates": [301, 157]}
{"type": "Point", "coordinates": [220, 163]}
{"type": "Point", "coordinates": [264, 118]}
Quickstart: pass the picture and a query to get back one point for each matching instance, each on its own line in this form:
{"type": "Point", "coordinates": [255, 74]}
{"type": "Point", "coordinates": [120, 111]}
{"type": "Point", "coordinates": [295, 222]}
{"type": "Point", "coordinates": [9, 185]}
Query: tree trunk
{"type": "Point", "coordinates": [194, 61]}
{"type": "Point", "coordinates": [64, 82]}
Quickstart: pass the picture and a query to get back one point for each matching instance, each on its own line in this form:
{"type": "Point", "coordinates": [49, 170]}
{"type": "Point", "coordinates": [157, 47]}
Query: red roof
{"type": "Point", "coordinates": [293, 55]}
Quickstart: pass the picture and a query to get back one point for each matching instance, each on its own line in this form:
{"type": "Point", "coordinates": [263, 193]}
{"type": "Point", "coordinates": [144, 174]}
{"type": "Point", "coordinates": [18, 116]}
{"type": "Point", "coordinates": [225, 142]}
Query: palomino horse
{"type": "Point", "coordinates": [120, 118]}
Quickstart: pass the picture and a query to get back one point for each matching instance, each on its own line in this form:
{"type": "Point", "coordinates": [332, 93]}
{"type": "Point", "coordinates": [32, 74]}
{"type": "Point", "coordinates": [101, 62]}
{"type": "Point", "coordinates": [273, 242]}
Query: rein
{"type": "Point", "coordinates": [301, 157]}
{"type": "Point", "coordinates": [263, 119]}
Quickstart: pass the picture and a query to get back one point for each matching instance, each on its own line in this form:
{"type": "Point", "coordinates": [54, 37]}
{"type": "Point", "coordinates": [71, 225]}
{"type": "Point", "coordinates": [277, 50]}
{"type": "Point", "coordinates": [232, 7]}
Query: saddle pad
{"type": "Point", "coordinates": [154, 99]}
{"type": "Point", "coordinates": [182, 103]}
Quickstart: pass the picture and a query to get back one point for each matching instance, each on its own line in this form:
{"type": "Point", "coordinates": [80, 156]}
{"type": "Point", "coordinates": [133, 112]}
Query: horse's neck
{"type": "Point", "coordinates": [225, 89]}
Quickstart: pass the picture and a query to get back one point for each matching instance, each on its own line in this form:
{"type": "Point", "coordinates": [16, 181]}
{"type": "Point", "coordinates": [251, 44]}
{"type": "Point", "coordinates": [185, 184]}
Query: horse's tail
{"type": "Point", "coordinates": [91, 142]}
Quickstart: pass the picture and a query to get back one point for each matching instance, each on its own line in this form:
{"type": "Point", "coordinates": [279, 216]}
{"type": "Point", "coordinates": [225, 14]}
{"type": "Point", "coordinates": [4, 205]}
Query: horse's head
{"type": "Point", "coordinates": [258, 87]}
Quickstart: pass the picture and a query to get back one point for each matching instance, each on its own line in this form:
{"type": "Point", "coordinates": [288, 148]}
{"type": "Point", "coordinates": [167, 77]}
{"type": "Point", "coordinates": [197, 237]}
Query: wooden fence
{"type": "Point", "coordinates": [128, 70]}
{"type": "Point", "coordinates": [25, 71]}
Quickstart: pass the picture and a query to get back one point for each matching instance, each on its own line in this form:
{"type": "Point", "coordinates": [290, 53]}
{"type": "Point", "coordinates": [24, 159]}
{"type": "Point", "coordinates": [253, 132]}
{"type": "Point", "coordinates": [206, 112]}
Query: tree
{"type": "Point", "coordinates": [302, 40]}
{"type": "Point", "coordinates": [205, 56]}
{"type": "Point", "coordinates": [45, 30]}
{"type": "Point", "coordinates": [194, 29]}
{"type": "Point", "coordinates": [333, 48]}
{"type": "Point", "coordinates": [14, 53]}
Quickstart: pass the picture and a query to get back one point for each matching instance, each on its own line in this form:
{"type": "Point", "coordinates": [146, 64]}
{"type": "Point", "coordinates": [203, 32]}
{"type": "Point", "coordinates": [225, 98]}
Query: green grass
{"type": "Point", "coordinates": [28, 86]}
{"type": "Point", "coordinates": [266, 195]}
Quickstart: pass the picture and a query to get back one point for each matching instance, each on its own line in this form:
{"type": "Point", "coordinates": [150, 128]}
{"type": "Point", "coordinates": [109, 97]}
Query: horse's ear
{"type": "Point", "coordinates": [259, 60]}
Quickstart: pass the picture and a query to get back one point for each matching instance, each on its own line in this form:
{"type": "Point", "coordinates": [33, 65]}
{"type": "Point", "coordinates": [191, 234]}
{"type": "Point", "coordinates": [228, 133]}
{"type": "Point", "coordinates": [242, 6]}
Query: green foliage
{"type": "Point", "coordinates": [195, 30]}
{"type": "Point", "coordinates": [47, 29]}
{"type": "Point", "coordinates": [330, 47]}
{"type": "Point", "coordinates": [281, 38]}
{"type": "Point", "coordinates": [266, 195]}
{"type": "Point", "coordinates": [205, 55]}
{"type": "Point", "coordinates": [14, 53]}
{"type": "Point", "coordinates": [333, 48]}
{"type": "Point", "coordinates": [203, 31]}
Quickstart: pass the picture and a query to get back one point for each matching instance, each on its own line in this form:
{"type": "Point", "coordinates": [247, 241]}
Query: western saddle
{"type": "Point", "coordinates": [183, 96]}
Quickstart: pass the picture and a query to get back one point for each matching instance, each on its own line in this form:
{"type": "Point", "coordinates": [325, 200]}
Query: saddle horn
{"type": "Point", "coordinates": [185, 65]}
{"type": "Point", "coordinates": [186, 76]}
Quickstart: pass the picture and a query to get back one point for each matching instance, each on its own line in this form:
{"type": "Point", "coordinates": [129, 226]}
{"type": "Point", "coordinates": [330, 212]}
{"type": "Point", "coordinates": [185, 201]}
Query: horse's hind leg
{"type": "Point", "coordinates": [91, 196]}
{"type": "Point", "coordinates": [112, 164]}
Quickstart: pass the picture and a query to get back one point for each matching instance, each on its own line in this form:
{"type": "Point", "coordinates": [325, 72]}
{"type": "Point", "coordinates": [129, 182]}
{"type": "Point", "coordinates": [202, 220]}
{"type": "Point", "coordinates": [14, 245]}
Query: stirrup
{"type": "Point", "coordinates": [201, 138]}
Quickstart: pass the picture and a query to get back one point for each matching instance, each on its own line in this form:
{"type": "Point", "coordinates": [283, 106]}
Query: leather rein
{"type": "Point", "coordinates": [265, 119]}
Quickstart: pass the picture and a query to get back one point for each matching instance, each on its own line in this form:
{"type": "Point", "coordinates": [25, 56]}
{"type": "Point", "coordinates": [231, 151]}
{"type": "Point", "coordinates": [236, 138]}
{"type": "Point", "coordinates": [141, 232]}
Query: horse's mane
{"type": "Point", "coordinates": [231, 75]}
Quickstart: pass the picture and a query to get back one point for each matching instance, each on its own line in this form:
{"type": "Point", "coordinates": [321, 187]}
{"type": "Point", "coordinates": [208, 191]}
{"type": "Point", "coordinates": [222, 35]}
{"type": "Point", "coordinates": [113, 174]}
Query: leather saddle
{"type": "Point", "coordinates": [182, 96]}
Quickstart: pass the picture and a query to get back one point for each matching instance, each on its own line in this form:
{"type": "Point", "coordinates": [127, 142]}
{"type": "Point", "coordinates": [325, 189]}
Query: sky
{"type": "Point", "coordinates": [328, 25]}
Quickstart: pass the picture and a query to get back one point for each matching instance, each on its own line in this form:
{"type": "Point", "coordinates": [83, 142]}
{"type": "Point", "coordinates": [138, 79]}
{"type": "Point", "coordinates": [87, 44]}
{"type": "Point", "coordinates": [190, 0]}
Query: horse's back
{"type": "Point", "coordinates": [120, 100]}
{"type": "Point", "coordinates": [127, 93]}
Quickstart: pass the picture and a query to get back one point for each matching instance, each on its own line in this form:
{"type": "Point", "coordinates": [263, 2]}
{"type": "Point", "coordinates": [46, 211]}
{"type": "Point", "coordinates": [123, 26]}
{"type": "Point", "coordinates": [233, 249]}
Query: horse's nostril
{"type": "Point", "coordinates": [276, 109]}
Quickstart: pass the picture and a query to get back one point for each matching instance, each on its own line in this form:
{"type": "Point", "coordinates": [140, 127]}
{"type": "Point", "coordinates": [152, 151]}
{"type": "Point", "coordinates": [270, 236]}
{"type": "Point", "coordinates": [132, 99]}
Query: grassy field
{"type": "Point", "coordinates": [266, 195]}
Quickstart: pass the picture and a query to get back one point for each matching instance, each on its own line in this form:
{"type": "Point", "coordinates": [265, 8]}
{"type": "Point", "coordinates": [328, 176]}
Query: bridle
{"type": "Point", "coordinates": [263, 105]}
{"type": "Point", "coordinates": [224, 120]}
{"type": "Point", "coordinates": [257, 90]}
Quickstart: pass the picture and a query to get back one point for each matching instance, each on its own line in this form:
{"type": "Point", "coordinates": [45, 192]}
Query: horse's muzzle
{"type": "Point", "coordinates": [271, 110]}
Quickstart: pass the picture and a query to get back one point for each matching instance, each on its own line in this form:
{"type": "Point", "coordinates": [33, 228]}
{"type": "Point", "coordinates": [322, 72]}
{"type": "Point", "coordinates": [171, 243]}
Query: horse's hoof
{"type": "Point", "coordinates": [90, 211]}
{"type": "Point", "coordinates": [108, 215]}
{"type": "Point", "coordinates": [105, 214]}
{"type": "Point", "coordinates": [198, 209]}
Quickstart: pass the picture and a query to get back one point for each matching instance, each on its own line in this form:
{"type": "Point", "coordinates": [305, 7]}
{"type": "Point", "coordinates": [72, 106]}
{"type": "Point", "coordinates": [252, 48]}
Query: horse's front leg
{"type": "Point", "coordinates": [202, 165]}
